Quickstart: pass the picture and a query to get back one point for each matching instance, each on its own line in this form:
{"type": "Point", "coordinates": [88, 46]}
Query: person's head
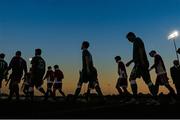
{"type": "Point", "coordinates": [131, 36]}
{"type": "Point", "coordinates": [152, 53]}
{"type": "Point", "coordinates": [49, 68]}
{"type": "Point", "coordinates": [85, 45]}
{"type": "Point", "coordinates": [2, 55]}
{"type": "Point", "coordinates": [18, 53]}
{"type": "Point", "coordinates": [176, 62]}
{"type": "Point", "coordinates": [38, 51]}
{"type": "Point", "coordinates": [178, 51]}
{"type": "Point", "coordinates": [56, 67]}
{"type": "Point", "coordinates": [117, 58]}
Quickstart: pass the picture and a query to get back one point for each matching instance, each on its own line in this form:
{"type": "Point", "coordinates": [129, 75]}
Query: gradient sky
{"type": "Point", "coordinates": [59, 27]}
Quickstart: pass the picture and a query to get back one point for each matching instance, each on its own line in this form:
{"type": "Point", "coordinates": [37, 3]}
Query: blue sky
{"type": "Point", "coordinates": [59, 27]}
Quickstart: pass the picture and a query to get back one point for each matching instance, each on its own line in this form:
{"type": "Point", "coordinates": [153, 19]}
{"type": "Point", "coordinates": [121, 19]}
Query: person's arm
{"type": "Point", "coordinates": [129, 63]}
{"type": "Point", "coordinates": [46, 75]}
{"type": "Point", "coordinates": [173, 75]}
{"type": "Point", "coordinates": [87, 64]}
{"type": "Point", "coordinates": [156, 62]}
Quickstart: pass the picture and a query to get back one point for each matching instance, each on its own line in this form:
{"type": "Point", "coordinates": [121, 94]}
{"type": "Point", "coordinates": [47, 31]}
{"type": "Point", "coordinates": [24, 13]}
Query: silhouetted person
{"type": "Point", "coordinates": [160, 69]}
{"type": "Point", "coordinates": [50, 80]}
{"type": "Point", "coordinates": [175, 74]}
{"type": "Point", "coordinates": [88, 73]}
{"type": "Point", "coordinates": [3, 70]}
{"type": "Point", "coordinates": [38, 71]}
{"type": "Point", "coordinates": [122, 84]}
{"type": "Point", "coordinates": [141, 64]}
{"type": "Point", "coordinates": [26, 86]}
{"type": "Point", "coordinates": [58, 77]}
{"type": "Point", "coordinates": [18, 65]}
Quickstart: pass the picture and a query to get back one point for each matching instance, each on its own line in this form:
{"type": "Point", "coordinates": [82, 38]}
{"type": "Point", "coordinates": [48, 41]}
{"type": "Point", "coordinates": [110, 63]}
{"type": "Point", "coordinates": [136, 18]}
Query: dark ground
{"type": "Point", "coordinates": [95, 108]}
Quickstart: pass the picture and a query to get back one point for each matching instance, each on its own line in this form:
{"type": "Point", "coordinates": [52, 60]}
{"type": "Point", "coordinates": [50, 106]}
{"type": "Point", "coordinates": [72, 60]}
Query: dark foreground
{"type": "Point", "coordinates": [112, 107]}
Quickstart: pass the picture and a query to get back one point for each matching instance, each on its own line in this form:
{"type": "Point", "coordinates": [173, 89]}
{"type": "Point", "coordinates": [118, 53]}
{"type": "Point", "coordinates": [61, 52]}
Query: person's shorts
{"type": "Point", "coordinates": [162, 79]}
{"type": "Point", "coordinates": [122, 82]}
{"type": "Point", "coordinates": [37, 80]}
{"type": "Point", "coordinates": [49, 85]}
{"type": "Point", "coordinates": [57, 86]}
{"type": "Point", "coordinates": [92, 84]}
{"type": "Point", "coordinates": [138, 72]}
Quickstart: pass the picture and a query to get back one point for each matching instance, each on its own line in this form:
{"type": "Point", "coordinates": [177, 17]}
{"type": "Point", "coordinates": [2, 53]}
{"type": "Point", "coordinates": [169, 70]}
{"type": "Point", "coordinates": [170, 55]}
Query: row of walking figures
{"type": "Point", "coordinates": [35, 76]}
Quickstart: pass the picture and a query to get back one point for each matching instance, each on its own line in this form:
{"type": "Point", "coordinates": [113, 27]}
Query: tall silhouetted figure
{"type": "Point", "coordinates": [141, 64]}
{"type": "Point", "coordinates": [58, 77]}
{"type": "Point", "coordinates": [122, 84]}
{"type": "Point", "coordinates": [175, 74]}
{"type": "Point", "coordinates": [18, 65]}
{"type": "Point", "coordinates": [38, 71]}
{"type": "Point", "coordinates": [88, 73]}
{"type": "Point", "coordinates": [3, 70]}
{"type": "Point", "coordinates": [50, 80]}
{"type": "Point", "coordinates": [160, 70]}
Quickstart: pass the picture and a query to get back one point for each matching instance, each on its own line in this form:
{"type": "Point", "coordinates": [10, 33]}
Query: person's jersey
{"type": "Point", "coordinates": [139, 53]}
{"type": "Point", "coordinates": [3, 67]}
{"type": "Point", "coordinates": [159, 65]}
{"type": "Point", "coordinates": [122, 70]}
{"type": "Point", "coordinates": [175, 74]}
{"type": "Point", "coordinates": [18, 64]}
{"type": "Point", "coordinates": [38, 65]}
{"type": "Point", "coordinates": [49, 76]}
{"type": "Point", "coordinates": [58, 76]}
{"type": "Point", "coordinates": [87, 54]}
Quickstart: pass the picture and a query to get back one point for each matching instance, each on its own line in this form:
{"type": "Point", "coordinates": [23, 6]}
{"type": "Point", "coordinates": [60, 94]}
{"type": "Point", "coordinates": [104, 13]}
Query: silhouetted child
{"type": "Point", "coordinates": [27, 83]}
{"type": "Point", "coordinates": [58, 77]}
{"type": "Point", "coordinates": [50, 80]}
{"type": "Point", "coordinates": [122, 80]}
{"type": "Point", "coordinates": [3, 70]}
{"type": "Point", "coordinates": [88, 73]}
{"type": "Point", "coordinates": [175, 74]}
{"type": "Point", "coordinates": [160, 69]}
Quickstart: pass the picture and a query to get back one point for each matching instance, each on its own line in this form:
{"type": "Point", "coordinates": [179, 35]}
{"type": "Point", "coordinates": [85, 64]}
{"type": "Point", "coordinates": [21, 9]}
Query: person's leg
{"type": "Point", "coordinates": [125, 90]}
{"type": "Point", "coordinates": [60, 90]}
{"type": "Point", "coordinates": [16, 90]}
{"type": "Point", "coordinates": [171, 90]}
{"type": "Point", "coordinates": [118, 87]}
{"type": "Point", "coordinates": [78, 90]}
{"type": "Point", "coordinates": [147, 79]}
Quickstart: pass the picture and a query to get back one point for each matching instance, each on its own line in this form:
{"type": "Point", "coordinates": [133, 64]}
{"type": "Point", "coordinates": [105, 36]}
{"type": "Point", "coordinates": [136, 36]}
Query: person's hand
{"type": "Point", "coordinates": [128, 64]}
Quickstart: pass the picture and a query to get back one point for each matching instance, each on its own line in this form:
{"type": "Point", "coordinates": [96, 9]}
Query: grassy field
{"type": "Point", "coordinates": [111, 107]}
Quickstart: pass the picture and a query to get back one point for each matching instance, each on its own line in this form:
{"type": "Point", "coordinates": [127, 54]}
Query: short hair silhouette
{"type": "Point", "coordinates": [85, 44]}
{"type": "Point", "coordinates": [56, 66]}
{"type": "Point", "coordinates": [18, 53]}
{"type": "Point", "coordinates": [130, 34]}
{"type": "Point", "coordinates": [49, 67]}
{"type": "Point", "coordinates": [117, 58]}
{"type": "Point", "coordinates": [2, 55]}
{"type": "Point", "coordinates": [152, 53]}
{"type": "Point", "coordinates": [38, 51]}
{"type": "Point", "coordinates": [176, 62]}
